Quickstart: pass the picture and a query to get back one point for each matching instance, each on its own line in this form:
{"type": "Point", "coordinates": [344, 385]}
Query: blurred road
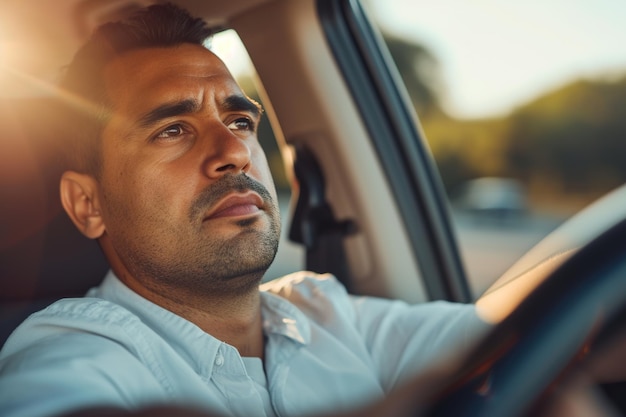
{"type": "Point", "coordinates": [490, 246]}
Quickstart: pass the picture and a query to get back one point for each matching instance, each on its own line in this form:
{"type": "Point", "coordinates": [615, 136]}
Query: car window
{"type": "Point", "coordinates": [230, 49]}
{"type": "Point", "coordinates": [523, 106]}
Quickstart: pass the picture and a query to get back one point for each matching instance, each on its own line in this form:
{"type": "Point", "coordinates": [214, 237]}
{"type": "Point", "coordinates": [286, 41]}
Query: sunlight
{"type": "Point", "coordinates": [230, 49]}
{"type": "Point", "coordinates": [496, 56]}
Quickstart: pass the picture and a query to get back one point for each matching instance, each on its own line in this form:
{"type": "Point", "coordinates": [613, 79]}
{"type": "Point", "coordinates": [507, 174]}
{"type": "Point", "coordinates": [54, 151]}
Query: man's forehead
{"type": "Point", "coordinates": [152, 75]}
{"type": "Point", "coordinates": [168, 57]}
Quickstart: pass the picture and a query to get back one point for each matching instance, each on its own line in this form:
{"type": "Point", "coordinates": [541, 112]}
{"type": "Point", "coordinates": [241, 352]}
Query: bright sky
{"type": "Point", "coordinates": [498, 54]}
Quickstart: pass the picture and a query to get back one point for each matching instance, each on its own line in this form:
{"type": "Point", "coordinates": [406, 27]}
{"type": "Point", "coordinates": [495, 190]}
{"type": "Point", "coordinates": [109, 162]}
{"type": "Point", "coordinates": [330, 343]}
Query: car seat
{"type": "Point", "coordinates": [42, 256]}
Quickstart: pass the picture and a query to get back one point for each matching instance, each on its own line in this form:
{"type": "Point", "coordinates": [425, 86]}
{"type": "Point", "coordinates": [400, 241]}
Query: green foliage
{"type": "Point", "coordinates": [569, 144]}
{"type": "Point", "coordinates": [571, 141]}
{"type": "Point", "coordinates": [576, 134]}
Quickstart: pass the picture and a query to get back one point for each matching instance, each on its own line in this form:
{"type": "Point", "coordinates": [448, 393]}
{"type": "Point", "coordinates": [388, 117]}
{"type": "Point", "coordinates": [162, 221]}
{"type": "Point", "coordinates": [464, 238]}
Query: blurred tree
{"type": "Point", "coordinates": [419, 70]}
{"type": "Point", "coordinates": [574, 136]}
{"type": "Point", "coordinates": [569, 142]}
{"type": "Point", "coordinates": [466, 149]}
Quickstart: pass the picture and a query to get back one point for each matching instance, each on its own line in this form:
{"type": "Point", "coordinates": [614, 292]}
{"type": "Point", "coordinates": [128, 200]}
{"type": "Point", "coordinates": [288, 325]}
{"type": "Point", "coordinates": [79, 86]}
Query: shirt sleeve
{"type": "Point", "coordinates": [404, 340]}
{"type": "Point", "coordinates": [400, 340]}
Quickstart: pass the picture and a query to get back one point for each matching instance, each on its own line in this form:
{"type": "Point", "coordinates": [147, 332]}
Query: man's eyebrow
{"type": "Point", "coordinates": [242, 103]}
{"type": "Point", "coordinates": [168, 110]}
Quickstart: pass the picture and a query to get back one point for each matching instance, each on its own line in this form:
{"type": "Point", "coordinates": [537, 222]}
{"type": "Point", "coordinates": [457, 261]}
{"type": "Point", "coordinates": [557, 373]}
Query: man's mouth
{"type": "Point", "coordinates": [236, 205]}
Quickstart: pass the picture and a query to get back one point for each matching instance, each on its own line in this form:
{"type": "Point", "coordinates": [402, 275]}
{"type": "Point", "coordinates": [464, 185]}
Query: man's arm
{"type": "Point", "coordinates": [406, 340]}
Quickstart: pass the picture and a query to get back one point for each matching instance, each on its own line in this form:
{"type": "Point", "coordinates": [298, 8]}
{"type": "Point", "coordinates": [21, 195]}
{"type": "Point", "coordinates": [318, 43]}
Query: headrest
{"type": "Point", "coordinates": [42, 255]}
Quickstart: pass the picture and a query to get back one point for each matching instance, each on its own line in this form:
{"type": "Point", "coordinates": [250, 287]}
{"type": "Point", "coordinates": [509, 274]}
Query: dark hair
{"type": "Point", "coordinates": [159, 25]}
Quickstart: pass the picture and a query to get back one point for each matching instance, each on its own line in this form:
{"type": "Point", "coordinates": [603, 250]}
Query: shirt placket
{"type": "Point", "coordinates": [230, 377]}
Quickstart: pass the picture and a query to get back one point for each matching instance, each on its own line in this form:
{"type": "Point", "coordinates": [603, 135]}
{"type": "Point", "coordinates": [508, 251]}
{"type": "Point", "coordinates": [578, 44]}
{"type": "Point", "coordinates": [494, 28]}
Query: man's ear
{"type": "Point", "coordinates": [81, 201]}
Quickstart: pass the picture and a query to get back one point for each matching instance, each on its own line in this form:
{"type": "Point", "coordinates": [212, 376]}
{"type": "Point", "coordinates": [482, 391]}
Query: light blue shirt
{"type": "Point", "coordinates": [325, 350]}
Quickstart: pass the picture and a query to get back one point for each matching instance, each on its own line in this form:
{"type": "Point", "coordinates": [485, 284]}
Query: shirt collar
{"type": "Point", "coordinates": [185, 337]}
{"type": "Point", "coordinates": [282, 317]}
{"type": "Point", "coordinates": [279, 317]}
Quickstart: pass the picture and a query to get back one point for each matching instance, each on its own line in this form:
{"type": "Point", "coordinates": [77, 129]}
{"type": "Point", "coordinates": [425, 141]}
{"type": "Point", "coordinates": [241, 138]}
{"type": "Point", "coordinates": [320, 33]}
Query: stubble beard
{"type": "Point", "coordinates": [238, 264]}
{"type": "Point", "coordinates": [201, 265]}
{"type": "Point", "coordinates": [217, 267]}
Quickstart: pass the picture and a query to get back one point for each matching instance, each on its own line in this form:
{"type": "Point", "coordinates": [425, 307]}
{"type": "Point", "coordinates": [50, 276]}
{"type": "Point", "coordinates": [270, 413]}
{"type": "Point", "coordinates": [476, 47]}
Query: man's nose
{"type": "Point", "coordinates": [226, 152]}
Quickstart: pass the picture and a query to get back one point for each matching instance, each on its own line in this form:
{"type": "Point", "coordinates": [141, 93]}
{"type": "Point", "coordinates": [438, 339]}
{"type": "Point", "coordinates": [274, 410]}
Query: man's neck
{"type": "Point", "coordinates": [235, 320]}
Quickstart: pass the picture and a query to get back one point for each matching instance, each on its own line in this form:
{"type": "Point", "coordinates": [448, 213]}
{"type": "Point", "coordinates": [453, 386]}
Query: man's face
{"type": "Point", "coordinates": [187, 197]}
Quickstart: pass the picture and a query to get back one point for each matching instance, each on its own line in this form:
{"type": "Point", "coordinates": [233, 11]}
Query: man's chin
{"type": "Point", "coordinates": [249, 254]}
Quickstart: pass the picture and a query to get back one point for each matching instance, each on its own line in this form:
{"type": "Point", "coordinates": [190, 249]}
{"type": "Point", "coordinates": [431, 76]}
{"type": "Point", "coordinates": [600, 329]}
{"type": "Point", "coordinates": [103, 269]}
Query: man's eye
{"type": "Point", "coordinates": [171, 132]}
{"type": "Point", "coordinates": [243, 123]}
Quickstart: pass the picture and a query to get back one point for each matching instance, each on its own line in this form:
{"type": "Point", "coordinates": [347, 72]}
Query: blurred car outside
{"type": "Point", "coordinates": [502, 200]}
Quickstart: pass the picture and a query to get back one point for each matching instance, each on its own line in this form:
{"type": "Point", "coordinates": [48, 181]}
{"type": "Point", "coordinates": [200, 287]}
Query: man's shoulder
{"type": "Point", "coordinates": [301, 279]}
{"type": "Point", "coordinates": [75, 353]}
{"type": "Point", "coordinates": [84, 310]}
{"type": "Point", "coordinates": [93, 316]}
{"type": "Point", "coordinates": [305, 285]}
{"type": "Point", "coordinates": [318, 296]}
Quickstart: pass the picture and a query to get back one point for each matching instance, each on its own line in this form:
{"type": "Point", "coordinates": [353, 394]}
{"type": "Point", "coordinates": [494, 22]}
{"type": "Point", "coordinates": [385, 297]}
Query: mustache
{"type": "Point", "coordinates": [226, 185]}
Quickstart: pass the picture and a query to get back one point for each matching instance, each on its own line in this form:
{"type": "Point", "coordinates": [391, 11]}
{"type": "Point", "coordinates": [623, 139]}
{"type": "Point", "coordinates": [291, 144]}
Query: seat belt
{"type": "Point", "coordinates": [314, 224]}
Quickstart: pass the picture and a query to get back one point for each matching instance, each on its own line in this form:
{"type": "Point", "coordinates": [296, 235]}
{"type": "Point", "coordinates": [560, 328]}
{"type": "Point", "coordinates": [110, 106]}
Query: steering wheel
{"type": "Point", "coordinates": [563, 320]}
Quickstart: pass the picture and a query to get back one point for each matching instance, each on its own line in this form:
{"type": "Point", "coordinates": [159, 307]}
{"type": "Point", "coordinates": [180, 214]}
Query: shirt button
{"type": "Point", "coordinates": [219, 360]}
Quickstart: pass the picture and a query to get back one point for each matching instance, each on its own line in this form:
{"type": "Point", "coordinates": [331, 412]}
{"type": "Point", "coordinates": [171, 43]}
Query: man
{"type": "Point", "coordinates": [167, 174]}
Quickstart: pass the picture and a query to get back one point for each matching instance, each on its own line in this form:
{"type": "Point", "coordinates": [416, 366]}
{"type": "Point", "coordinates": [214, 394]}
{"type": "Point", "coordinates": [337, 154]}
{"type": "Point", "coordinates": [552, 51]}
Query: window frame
{"type": "Point", "coordinates": [393, 128]}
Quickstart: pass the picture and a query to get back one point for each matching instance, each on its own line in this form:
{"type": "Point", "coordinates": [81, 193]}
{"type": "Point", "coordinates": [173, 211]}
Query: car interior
{"type": "Point", "coordinates": [361, 197]}
{"type": "Point", "coordinates": [343, 218]}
